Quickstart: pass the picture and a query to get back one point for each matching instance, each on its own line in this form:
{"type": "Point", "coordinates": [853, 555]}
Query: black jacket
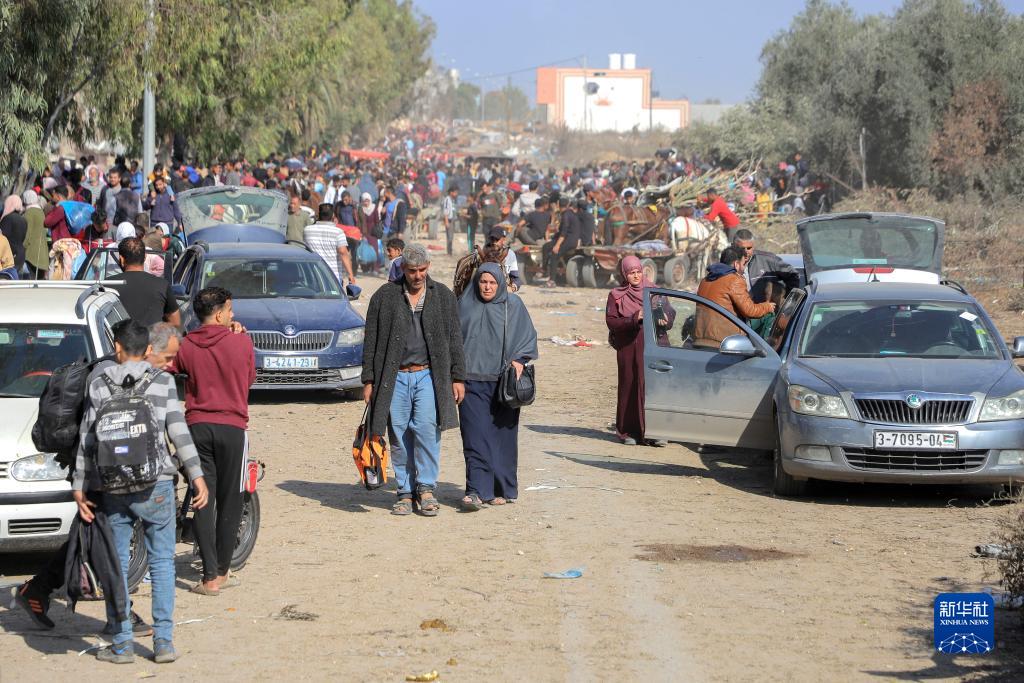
{"type": "Point", "coordinates": [388, 320]}
{"type": "Point", "coordinates": [569, 229]}
{"type": "Point", "coordinates": [93, 545]}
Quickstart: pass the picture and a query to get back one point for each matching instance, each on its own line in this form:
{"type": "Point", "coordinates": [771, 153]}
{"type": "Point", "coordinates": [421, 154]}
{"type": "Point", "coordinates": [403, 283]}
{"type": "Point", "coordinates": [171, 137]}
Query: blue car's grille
{"type": "Point", "coordinates": [914, 461]}
{"type": "Point", "coordinates": [296, 377]}
{"type": "Point", "coordinates": [897, 412]}
{"type": "Point", "coordinates": [303, 341]}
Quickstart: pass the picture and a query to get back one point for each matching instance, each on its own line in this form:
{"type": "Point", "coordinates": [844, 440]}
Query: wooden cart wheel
{"type": "Point", "coordinates": [594, 275]}
{"type": "Point", "coordinates": [650, 269]}
{"type": "Point", "coordinates": [677, 272]}
{"type": "Point", "coordinates": [572, 271]}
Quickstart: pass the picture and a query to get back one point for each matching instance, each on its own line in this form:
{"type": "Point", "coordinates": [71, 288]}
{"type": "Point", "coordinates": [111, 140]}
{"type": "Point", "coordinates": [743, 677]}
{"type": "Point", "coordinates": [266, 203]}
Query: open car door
{"type": "Point", "coordinates": [717, 394]}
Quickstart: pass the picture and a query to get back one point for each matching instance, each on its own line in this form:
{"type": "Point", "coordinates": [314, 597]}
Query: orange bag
{"type": "Point", "coordinates": [371, 455]}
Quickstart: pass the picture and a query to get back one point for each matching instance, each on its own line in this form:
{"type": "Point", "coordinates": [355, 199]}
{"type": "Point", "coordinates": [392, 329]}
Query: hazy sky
{"type": "Point", "coordinates": [700, 50]}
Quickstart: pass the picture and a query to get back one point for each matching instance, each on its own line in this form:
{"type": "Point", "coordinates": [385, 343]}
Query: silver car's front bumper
{"type": "Point", "coordinates": [979, 445]}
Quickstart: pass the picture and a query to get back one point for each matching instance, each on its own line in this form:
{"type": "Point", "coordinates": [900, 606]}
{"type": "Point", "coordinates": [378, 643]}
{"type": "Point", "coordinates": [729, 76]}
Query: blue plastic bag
{"type": "Point", "coordinates": [365, 253]}
{"type": "Point", "coordinates": [78, 214]}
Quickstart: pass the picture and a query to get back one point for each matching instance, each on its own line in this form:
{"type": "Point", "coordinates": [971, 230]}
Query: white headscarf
{"type": "Point", "coordinates": [366, 197]}
{"type": "Point", "coordinates": [163, 228]}
{"type": "Point", "coordinates": [30, 198]}
{"type": "Point", "coordinates": [124, 231]}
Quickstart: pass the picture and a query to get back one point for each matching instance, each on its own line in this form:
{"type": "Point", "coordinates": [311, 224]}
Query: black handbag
{"type": "Point", "coordinates": [515, 392]}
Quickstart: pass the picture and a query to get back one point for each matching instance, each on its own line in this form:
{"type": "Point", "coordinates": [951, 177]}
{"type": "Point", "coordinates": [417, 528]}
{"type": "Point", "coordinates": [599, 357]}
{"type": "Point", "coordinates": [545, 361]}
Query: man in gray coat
{"type": "Point", "coordinates": [760, 264]}
{"type": "Point", "coordinates": [413, 373]}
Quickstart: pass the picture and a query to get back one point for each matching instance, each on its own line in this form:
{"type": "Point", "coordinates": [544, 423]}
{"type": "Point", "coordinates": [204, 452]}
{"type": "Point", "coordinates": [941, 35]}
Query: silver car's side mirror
{"type": "Point", "coordinates": [738, 345]}
{"type": "Point", "coordinates": [1018, 347]}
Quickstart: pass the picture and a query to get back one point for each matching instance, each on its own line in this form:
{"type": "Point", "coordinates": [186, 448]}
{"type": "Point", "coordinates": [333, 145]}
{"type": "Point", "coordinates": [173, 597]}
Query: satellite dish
{"type": "Point", "coordinates": [590, 88]}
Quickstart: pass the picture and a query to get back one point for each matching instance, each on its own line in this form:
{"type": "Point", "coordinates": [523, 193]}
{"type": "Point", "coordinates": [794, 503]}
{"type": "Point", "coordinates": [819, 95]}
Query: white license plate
{"type": "Point", "coordinates": [928, 441]}
{"type": "Point", "coordinates": [291, 362]}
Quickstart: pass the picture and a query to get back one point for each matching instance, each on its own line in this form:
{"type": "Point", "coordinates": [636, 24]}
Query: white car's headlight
{"type": "Point", "coordinates": [351, 337]}
{"type": "Point", "coordinates": [803, 400]}
{"type": "Point", "coordinates": [38, 467]}
{"type": "Point", "coordinates": [1006, 408]}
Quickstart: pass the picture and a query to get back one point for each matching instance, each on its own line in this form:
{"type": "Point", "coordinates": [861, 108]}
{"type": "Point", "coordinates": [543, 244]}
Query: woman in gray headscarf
{"type": "Point", "coordinates": [496, 330]}
{"type": "Point", "coordinates": [37, 247]}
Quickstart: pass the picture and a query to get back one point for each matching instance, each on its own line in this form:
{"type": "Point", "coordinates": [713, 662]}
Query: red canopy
{"type": "Point", "coordinates": [358, 154]}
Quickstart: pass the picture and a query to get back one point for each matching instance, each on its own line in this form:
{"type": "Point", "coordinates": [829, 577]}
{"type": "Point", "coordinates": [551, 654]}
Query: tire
{"type": "Point", "coordinates": [593, 275]}
{"type": "Point", "coordinates": [783, 484]}
{"type": "Point", "coordinates": [572, 271]}
{"type": "Point", "coordinates": [138, 557]}
{"type": "Point", "coordinates": [677, 272]}
{"type": "Point", "coordinates": [650, 269]}
{"type": "Point", "coordinates": [248, 529]}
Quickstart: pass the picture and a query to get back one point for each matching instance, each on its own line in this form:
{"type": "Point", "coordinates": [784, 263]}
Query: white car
{"type": "Point", "coordinates": [43, 325]}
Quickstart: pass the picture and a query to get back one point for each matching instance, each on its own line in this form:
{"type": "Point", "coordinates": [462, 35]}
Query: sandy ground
{"type": "Point", "coordinates": [835, 587]}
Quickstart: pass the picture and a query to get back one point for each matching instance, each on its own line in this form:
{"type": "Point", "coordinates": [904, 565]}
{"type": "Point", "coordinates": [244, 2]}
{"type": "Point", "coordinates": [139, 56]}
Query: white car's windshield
{"type": "Point", "coordinates": [871, 329]}
{"type": "Point", "coordinates": [29, 353]}
{"type": "Point", "coordinates": [268, 278]}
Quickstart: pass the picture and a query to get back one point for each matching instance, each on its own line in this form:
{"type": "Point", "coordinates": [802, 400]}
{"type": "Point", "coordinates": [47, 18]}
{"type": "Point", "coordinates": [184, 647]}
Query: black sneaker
{"type": "Point", "coordinates": [35, 603]}
{"type": "Point", "coordinates": [139, 627]}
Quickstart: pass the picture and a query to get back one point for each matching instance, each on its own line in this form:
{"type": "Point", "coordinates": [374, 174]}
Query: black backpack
{"type": "Point", "coordinates": [61, 406]}
{"type": "Point", "coordinates": [129, 456]}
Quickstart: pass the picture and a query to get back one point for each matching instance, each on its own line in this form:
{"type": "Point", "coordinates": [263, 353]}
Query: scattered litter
{"type": "Point", "coordinates": [452, 662]}
{"type": "Point", "coordinates": [391, 653]}
{"type": "Point", "coordinates": [563, 313]}
{"type": "Point", "coordinates": [542, 487]}
{"type": "Point", "coordinates": [567, 574]}
{"type": "Point", "coordinates": [439, 624]}
{"type": "Point", "coordinates": [423, 678]}
{"type": "Point", "coordinates": [197, 621]}
{"type": "Point", "coordinates": [993, 550]}
{"type": "Point", "coordinates": [97, 646]}
{"type": "Point", "coordinates": [551, 487]}
{"type": "Point", "coordinates": [145, 674]}
{"type": "Point", "coordinates": [290, 613]}
{"type": "Point", "coordinates": [598, 308]}
{"type": "Point", "coordinates": [579, 341]}
{"type": "Point", "coordinates": [435, 247]}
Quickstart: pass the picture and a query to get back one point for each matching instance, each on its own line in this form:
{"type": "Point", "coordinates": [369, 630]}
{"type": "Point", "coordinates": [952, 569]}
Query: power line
{"type": "Point", "coordinates": [523, 70]}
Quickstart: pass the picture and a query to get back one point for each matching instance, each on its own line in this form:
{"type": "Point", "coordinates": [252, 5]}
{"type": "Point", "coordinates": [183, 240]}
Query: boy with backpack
{"type": "Point", "coordinates": [123, 454]}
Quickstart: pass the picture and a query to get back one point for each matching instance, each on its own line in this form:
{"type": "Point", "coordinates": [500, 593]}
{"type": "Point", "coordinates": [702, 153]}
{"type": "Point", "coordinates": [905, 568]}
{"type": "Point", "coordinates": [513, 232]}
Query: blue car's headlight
{"type": "Point", "coordinates": [351, 337]}
{"type": "Point", "coordinates": [38, 467]}
{"type": "Point", "coordinates": [803, 400]}
{"type": "Point", "coordinates": [1006, 408]}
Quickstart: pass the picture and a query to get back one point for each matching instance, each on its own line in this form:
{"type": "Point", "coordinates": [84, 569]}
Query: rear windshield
{"type": "Point", "coordinates": [893, 241]}
{"type": "Point", "coordinates": [272, 278]}
{"type": "Point", "coordinates": [233, 206]}
{"type": "Point", "coordinates": [30, 353]}
{"type": "Point", "coordinates": [870, 329]}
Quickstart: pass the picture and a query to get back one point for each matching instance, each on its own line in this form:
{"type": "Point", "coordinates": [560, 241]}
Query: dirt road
{"type": "Point", "coordinates": [691, 569]}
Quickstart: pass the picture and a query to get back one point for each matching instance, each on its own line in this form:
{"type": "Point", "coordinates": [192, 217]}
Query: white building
{"type": "Point", "coordinates": [616, 98]}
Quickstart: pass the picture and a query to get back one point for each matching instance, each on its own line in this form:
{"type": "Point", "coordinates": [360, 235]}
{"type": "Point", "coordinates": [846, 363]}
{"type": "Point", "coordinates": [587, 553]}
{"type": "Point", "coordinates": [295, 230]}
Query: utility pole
{"type": "Point", "coordinates": [148, 102]}
{"type": "Point", "coordinates": [863, 161]}
{"type": "Point", "coordinates": [586, 96]}
{"type": "Point", "coordinates": [508, 108]}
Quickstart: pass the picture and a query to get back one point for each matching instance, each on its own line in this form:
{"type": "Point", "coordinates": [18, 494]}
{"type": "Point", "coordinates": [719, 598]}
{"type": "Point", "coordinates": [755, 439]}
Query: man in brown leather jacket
{"type": "Point", "coordinates": [725, 286]}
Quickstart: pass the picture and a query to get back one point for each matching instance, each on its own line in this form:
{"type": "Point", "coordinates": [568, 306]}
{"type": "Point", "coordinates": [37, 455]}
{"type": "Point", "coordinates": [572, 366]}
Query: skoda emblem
{"type": "Point", "coordinates": [914, 401]}
{"type": "Point", "coordinates": [290, 330]}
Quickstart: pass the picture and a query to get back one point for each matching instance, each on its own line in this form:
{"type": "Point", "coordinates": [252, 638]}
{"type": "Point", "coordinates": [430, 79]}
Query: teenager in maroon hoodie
{"type": "Point", "coordinates": [221, 366]}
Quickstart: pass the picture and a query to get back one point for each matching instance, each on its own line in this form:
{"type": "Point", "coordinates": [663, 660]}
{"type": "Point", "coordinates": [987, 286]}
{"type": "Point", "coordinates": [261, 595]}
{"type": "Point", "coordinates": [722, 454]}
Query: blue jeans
{"type": "Point", "coordinates": [414, 421]}
{"type": "Point", "coordinates": [155, 507]}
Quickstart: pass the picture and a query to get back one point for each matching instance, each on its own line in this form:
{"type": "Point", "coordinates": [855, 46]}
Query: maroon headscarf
{"type": "Point", "coordinates": [630, 298]}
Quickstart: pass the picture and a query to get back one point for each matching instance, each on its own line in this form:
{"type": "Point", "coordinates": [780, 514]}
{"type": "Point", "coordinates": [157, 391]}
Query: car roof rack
{"type": "Point", "coordinates": [93, 290]}
{"type": "Point", "coordinates": [955, 285]}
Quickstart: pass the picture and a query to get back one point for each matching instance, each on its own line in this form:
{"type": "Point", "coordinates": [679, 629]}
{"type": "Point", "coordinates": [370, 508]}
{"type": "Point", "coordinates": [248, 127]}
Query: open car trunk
{"type": "Point", "coordinates": [233, 214]}
{"type": "Point", "coordinates": [856, 247]}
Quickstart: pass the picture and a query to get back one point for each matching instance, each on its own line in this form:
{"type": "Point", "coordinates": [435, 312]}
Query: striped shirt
{"type": "Point", "coordinates": [167, 411]}
{"type": "Point", "coordinates": [324, 238]}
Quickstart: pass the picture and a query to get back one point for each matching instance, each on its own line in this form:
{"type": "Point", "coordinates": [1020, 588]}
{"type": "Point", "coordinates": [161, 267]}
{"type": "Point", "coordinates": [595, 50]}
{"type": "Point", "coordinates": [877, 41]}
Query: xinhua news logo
{"type": "Point", "coordinates": [965, 623]}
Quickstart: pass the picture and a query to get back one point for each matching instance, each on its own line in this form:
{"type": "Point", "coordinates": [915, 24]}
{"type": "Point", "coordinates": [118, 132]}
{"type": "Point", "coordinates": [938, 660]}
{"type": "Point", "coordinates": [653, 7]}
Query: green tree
{"type": "Point", "coordinates": [466, 102]}
{"type": "Point", "coordinates": [510, 102]}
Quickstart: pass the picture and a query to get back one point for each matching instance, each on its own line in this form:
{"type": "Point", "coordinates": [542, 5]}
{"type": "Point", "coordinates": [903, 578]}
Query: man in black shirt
{"type": "Point", "coordinates": [147, 298]}
{"type": "Point", "coordinates": [567, 241]}
{"type": "Point", "coordinates": [588, 224]}
{"type": "Point", "coordinates": [533, 227]}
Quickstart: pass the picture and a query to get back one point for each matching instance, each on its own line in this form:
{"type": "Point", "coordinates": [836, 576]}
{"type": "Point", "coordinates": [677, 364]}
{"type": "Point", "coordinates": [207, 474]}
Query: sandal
{"type": "Point", "coordinates": [471, 503]}
{"type": "Point", "coordinates": [201, 589]}
{"type": "Point", "coordinates": [497, 501]}
{"type": "Point", "coordinates": [402, 507]}
{"type": "Point", "coordinates": [428, 505]}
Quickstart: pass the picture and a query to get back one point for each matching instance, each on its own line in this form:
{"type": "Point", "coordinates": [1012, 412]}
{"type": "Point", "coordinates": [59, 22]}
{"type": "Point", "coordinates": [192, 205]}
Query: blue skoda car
{"type": "Point", "coordinates": [306, 333]}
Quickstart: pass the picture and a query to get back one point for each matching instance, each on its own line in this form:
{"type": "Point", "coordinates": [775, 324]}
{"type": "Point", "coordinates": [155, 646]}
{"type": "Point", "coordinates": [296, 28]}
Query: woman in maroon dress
{"type": "Point", "coordinates": [624, 316]}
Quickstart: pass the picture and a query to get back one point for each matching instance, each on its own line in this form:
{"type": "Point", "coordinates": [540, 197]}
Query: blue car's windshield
{"type": "Point", "coordinates": [872, 329]}
{"type": "Point", "coordinates": [271, 277]}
